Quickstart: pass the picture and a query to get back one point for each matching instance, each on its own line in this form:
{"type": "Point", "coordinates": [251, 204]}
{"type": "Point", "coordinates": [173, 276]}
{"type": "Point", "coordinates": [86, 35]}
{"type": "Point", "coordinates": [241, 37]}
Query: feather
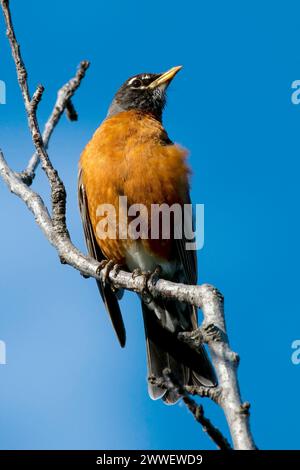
{"type": "Point", "coordinates": [108, 296]}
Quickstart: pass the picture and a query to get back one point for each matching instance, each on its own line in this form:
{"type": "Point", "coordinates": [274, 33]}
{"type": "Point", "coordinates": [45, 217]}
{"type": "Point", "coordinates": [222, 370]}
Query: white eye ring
{"type": "Point", "coordinates": [136, 83]}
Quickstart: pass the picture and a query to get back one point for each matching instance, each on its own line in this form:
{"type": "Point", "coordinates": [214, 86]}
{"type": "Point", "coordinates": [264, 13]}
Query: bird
{"type": "Point", "coordinates": [131, 156]}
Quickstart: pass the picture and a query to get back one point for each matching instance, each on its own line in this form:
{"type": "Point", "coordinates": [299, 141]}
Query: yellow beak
{"type": "Point", "coordinates": [165, 77]}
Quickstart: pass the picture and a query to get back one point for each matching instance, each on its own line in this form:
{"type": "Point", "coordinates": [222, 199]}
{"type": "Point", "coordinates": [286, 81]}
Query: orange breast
{"type": "Point", "coordinates": [127, 156]}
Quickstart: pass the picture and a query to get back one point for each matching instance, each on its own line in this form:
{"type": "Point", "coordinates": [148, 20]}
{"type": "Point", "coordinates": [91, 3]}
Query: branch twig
{"type": "Point", "coordinates": [58, 192]}
{"type": "Point", "coordinates": [172, 384]}
{"type": "Point", "coordinates": [63, 103]}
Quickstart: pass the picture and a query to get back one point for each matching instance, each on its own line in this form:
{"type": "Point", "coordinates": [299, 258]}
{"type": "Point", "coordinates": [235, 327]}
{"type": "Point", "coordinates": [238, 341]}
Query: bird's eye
{"type": "Point", "coordinates": [136, 83]}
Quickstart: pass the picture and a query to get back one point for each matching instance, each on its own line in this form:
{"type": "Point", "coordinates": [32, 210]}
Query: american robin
{"type": "Point", "coordinates": [130, 155]}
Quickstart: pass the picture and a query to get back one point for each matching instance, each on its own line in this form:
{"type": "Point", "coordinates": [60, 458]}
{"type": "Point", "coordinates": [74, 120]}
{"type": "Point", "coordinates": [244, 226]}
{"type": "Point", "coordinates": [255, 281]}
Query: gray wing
{"type": "Point", "coordinates": [187, 258]}
{"type": "Point", "coordinates": [163, 349]}
{"type": "Point", "coordinates": [188, 262]}
{"type": "Point", "coordinates": [108, 296]}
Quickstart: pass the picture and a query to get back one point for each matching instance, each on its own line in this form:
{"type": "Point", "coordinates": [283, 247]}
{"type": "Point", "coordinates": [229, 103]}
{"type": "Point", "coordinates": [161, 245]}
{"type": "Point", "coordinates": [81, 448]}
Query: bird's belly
{"type": "Point", "coordinates": [127, 159]}
{"type": "Point", "coordinates": [138, 255]}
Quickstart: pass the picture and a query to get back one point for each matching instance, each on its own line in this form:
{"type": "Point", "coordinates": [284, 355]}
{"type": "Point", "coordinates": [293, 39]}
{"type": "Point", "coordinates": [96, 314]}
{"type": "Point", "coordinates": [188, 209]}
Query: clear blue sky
{"type": "Point", "coordinates": [67, 383]}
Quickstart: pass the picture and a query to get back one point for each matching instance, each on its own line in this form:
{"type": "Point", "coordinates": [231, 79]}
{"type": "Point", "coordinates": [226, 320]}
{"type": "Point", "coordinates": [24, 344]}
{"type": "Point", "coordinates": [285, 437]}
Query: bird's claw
{"type": "Point", "coordinates": [136, 273]}
{"type": "Point", "coordinates": [115, 269]}
{"type": "Point", "coordinates": [147, 276]}
{"type": "Point", "coordinates": [192, 337]}
{"type": "Point", "coordinates": [202, 334]}
{"type": "Point", "coordinates": [104, 268]}
{"type": "Point", "coordinates": [154, 276]}
{"type": "Point", "coordinates": [212, 333]}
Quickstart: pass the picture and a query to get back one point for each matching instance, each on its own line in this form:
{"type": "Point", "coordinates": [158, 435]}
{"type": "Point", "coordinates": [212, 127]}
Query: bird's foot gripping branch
{"type": "Point", "coordinates": [53, 224]}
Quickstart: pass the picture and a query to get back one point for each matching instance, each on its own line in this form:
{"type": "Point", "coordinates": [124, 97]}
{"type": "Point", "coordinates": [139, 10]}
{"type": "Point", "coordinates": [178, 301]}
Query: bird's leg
{"type": "Point", "coordinates": [116, 268]}
{"type": "Point", "coordinates": [105, 267]}
{"type": "Point", "coordinates": [154, 276]}
{"type": "Point", "coordinates": [136, 273]}
{"type": "Point", "coordinates": [151, 277]}
{"type": "Point", "coordinates": [147, 276]}
{"type": "Point", "coordinates": [203, 334]}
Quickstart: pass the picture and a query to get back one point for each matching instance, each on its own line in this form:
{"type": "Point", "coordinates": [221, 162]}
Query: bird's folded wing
{"type": "Point", "coordinates": [187, 258]}
{"type": "Point", "coordinates": [108, 296]}
{"type": "Point", "coordinates": [188, 261]}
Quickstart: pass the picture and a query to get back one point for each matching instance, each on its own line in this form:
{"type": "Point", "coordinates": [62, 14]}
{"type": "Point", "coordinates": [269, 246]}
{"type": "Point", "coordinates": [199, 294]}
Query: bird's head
{"type": "Point", "coordinates": [145, 92]}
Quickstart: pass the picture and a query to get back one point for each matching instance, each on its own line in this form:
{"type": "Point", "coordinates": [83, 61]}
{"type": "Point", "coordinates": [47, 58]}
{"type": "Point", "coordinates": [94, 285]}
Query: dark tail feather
{"type": "Point", "coordinates": [111, 303]}
{"type": "Point", "coordinates": [164, 350]}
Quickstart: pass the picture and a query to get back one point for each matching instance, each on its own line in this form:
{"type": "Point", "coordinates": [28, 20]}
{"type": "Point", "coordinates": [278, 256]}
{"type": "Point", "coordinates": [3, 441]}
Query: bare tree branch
{"type": "Point", "coordinates": [71, 111]}
{"type": "Point", "coordinates": [213, 332]}
{"type": "Point", "coordinates": [172, 384]}
{"type": "Point", "coordinates": [63, 103]}
{"type": "Point", "coordinates": [58, 192]}
{"type": "Point", "coordinates": [206, 297]}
